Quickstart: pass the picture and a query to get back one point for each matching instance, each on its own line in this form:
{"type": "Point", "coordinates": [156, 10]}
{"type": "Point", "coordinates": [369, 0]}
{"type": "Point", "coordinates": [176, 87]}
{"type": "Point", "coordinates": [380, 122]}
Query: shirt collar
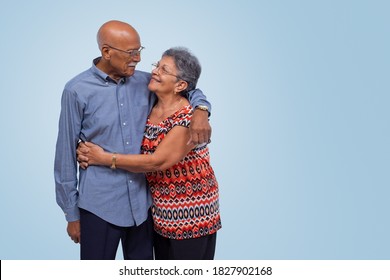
{"type": "Point", "coordinates": [101, 74]}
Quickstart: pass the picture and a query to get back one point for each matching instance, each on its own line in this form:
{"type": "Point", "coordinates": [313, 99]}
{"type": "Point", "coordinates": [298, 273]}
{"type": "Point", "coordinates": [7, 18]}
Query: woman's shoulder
{"type": "Point", "coordinates": [185, 110]}
{"type": "Point", "coordinates": [182, 116]}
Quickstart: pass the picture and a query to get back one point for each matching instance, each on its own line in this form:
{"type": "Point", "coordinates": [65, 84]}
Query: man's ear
{"type": "Point", "coordinates": [106, 53]}
{"type": "Point", "coordinates": [180, 86]}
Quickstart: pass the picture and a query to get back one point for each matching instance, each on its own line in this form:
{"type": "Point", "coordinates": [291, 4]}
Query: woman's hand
{"type": "Point", "coordinates": [89, 154]}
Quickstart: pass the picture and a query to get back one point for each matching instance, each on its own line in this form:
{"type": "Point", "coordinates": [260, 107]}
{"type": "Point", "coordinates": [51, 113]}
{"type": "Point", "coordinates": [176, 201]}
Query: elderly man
{"type": "Point", "coordinates": [108, 104]}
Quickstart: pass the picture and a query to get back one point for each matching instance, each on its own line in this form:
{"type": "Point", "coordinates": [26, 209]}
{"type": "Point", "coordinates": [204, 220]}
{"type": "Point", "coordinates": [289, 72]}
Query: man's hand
{"type": "Point", "coordinates": [74, 231]}
{"type": "Point", "coordinates": [200, 129]}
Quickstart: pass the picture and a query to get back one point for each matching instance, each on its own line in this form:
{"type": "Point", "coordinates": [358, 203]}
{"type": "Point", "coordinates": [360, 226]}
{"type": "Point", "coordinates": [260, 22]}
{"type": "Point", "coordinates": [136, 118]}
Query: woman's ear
{"type": "Point", "coordinates": [181, 86]}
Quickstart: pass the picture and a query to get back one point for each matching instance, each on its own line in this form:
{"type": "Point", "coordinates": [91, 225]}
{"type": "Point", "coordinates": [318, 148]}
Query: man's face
{"type": "Point", "coordinates": [124, 57]}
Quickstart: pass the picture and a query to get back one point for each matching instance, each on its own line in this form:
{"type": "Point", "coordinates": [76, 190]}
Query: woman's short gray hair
{"type": "Point", "coordinates": [188, 66]}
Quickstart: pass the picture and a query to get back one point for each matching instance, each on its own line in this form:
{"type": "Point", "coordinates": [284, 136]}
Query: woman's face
{"type": "Point", "coordinates": [164, 76]}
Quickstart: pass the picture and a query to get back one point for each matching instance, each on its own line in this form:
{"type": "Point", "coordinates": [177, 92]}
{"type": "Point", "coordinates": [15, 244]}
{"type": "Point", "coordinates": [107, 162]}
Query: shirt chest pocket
{"type": "Point", "coordinates": [101, 116]}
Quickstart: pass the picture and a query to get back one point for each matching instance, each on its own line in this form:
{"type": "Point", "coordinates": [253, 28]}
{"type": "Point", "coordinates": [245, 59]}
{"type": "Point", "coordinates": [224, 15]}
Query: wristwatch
{"type": "Point", "coordinates": [202, 107]}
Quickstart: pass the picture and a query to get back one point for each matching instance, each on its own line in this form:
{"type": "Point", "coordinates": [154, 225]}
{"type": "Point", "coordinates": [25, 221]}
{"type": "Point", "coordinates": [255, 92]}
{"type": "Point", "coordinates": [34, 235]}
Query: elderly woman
{"type": "Point", "coordinates": [182, 182]}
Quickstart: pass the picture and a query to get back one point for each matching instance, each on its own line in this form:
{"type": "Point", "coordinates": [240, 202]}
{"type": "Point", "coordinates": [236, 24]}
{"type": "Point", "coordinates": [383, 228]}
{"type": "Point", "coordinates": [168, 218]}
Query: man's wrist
{"type": "Point", "coordinates": [203, 108]}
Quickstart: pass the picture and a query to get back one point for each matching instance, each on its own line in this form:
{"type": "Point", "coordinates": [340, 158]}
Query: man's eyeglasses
{"type": "Point", "coordinates": [163, 70]}
{"type": "Point", "coordinates": [132, 53]}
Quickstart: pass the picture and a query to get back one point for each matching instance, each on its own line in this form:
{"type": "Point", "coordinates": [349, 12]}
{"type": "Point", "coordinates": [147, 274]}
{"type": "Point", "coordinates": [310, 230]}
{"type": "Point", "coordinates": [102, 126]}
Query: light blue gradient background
{"type": "Point", "coordinates": [300, 94]}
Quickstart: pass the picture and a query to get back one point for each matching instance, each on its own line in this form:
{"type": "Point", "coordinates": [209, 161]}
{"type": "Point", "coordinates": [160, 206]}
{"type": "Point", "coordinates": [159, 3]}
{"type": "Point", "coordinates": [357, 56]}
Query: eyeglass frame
{"type": "Point", "coordinates": [156, 65]}
{"type": "Point", "coordinates": [132, 53]}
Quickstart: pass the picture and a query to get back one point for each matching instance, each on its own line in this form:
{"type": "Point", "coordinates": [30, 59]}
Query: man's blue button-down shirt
{"type": "Point", "coordinates": [95, 108]}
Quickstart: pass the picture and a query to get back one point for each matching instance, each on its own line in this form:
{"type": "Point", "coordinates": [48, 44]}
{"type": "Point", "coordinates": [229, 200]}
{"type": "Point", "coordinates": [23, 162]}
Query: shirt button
{"type": "Point", "coordinates": [127, 143]}
{"type": "Point", "coordinates": [131, 181]}
{"type": "Point", "coordinates": [124, 123]}
{"type": "Point", "coordinates": [121, 104]}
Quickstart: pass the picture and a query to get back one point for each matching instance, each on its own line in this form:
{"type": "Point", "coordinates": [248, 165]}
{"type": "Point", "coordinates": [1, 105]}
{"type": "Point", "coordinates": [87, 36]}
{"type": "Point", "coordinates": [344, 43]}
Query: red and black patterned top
{"type": "Point", "coordinates": [185, 196]}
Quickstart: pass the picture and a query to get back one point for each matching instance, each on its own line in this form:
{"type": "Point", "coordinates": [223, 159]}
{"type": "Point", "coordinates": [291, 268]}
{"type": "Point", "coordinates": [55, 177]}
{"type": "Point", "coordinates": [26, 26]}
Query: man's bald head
{"type": "Point", "coordinates": [116, 32]}
{"type": "Point", "coordinates": [117, 40]}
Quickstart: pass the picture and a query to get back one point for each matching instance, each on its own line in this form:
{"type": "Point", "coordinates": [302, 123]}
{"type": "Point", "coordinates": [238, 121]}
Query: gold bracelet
{"type": "Point", "coordinates": [113, 161]}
